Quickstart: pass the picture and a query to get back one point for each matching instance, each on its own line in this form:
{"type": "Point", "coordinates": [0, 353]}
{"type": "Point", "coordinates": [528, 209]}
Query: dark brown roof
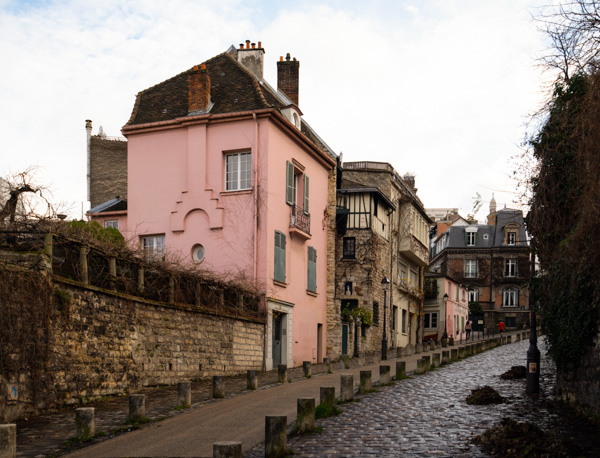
{"type": "Point", "coordinates": [233, 89]}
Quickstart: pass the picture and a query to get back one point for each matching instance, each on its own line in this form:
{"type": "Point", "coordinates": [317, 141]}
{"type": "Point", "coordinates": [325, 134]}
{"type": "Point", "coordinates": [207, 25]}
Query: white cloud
{"type": "Point", "coordinates": [441, 90]}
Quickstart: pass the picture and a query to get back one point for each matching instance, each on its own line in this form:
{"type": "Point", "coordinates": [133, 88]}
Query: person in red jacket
{"type": "Point", "coordinates": [501, 327]}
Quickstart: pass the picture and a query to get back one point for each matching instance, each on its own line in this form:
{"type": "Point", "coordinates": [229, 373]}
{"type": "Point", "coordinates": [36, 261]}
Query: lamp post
{"type": "Point", "coordinates": [445, 334]}
{"type": "Point", "coordinates": [385, 285]}
{"type": "Point", "coordinates": [533, 354]}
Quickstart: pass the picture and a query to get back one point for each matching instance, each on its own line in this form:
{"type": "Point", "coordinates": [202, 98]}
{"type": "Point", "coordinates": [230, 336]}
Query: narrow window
{"type": "Point", "coordinates": [471, 237]}
{"type": "Point", "coordinates": [306, 199]}
{"type": "Point", "coordinates": [404, 321]}
{"type": "Point", "coordinates": [470, 268]}
{"type": "Point", "coordinates": [375, 313]}
{"type": "Point", "coordinates": [312, 270]}
{"type": "Point", "coordinates": [290, 192]}
{"type": "Point", "coordinates": [510, 297]}
{"type": "Point", "coordinates": [349, 248]}
{"type": "Point", "coordinates": [279, 257]}
{"type": "Point", "coordinates": [510, 268]}
{"type": "Point", "coordinates": [511, 238]}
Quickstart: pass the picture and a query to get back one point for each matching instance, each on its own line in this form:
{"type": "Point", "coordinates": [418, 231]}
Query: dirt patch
{"type": "Point", "coordinates": [513, 439]}
{"type": "Point", "coordinates": [484, 395]}
{"type": "Point", "coordinates": [515, 372]}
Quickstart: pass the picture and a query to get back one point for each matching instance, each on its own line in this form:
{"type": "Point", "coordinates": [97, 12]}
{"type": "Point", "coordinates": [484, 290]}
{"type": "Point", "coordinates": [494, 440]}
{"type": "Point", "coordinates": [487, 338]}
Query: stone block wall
{"type": "Point", "coordinates": [96, 343]}
{"type": "Point", "coordinates": [108, 170]}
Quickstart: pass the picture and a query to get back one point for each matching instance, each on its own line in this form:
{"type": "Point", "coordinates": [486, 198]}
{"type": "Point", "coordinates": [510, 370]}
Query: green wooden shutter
{"type": "Point", "coordinates": [279, 273]}
{"type": "Point", "coordinates": [306, 181]}
{"type": "Point", "coordinates": [289, 190]}
{"type": "Point", "coordinates": [312, 270]}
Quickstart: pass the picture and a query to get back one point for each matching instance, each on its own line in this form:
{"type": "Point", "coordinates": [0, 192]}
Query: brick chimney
{"type": "Point", "coordinates": [252, 57]}
{"type": "Point", "coordinates": [287, 77]}
{"type": "Point", "coordinates": [199, 90]}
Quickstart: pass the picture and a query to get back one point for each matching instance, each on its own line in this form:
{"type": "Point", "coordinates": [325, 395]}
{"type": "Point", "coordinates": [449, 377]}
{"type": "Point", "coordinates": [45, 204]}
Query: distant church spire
{"type": "Point", "coordinates": [493, 204]}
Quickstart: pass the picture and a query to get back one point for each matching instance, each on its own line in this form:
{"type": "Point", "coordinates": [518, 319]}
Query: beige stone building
{"type": "Point", "coordinates": [382, 232]}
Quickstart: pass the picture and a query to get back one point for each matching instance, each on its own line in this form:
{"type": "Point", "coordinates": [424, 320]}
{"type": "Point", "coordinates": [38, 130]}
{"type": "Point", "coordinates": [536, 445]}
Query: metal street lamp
{"type": "Point", "coordinates": [533, 354]}
{"type": "Point", "coordinates": [385, 285]}
{"type": "Point", "coordinates": [445, 334]}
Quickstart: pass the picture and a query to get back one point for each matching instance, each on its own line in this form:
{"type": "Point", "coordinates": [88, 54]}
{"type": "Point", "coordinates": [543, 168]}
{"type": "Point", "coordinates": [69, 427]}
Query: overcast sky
{"type": "Point", "coordinates": [438, 88]}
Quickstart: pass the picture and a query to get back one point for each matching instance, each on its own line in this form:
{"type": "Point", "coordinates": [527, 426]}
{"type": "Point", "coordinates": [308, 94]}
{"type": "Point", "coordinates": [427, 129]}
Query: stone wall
{"type": "Point", "coordinates": [334, 324]}
{"type": "Point", "coordinates": [96, 343]}
{"type": "Point", "coordinates": [108, 170]}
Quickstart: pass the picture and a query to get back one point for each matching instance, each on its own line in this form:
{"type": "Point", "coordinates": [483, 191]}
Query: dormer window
{"type": "Point", "coordinates": [511, 238]}
{"type": "Point", "coordinates": [293, 115]}
{"type": "Point", "coordinates": [471, 236]}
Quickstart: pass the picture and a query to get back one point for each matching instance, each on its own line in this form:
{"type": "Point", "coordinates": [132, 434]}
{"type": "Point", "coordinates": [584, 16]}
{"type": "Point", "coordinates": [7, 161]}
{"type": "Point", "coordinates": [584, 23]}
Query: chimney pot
{"type": "Point", "coordinates": [280, 58]}
{"type": "Point", "coordinates": [247, 44]}
{"type": "Point", "coordinates": [260, 45]}
{"type": "Point", "coordinates": [202, 66]}
{"type": "Point", "coordinates": [241, 45]}
{"type": "Point", "coordinates": [287, 56]}
{"type": "Point", "coordinates": [253, 45]}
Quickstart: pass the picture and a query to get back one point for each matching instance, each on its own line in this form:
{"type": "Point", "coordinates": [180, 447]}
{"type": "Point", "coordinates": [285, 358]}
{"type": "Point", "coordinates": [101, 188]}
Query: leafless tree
{"type": "Point", "coordinates": [22, 198]}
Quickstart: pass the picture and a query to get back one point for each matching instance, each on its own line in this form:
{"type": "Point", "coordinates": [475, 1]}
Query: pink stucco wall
{"type": "Point", "coordinates": [176, 188]}
{"type": "Point", "coordinates": [456, 308]}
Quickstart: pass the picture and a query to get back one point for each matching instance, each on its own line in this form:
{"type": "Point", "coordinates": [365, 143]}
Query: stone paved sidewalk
{"type": "Point", "coordinates": [427, 415]}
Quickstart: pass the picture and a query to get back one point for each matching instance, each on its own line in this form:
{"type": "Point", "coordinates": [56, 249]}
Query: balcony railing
{"type": "Point", "coordinates": [299, 219]}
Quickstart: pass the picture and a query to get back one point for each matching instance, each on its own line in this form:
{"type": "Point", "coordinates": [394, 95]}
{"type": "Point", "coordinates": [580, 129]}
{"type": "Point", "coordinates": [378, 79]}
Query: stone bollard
{"type": "Point", "coordinates": [451, 342]}
{"type": "Point", "coordinates": [327, 363]}
{"type": "Point", "coordinates": [361, 360]}
{"type": "Point", "coordinates": [327, 396]}
{"type": "Point", "coordinates": [438, 345]}
{"type": "Point", "coordinates": [346, 387]}
{"type": "Point", "coordinates": [427, 360]}
{"type": "Point", "coordinates": [445, 357]}
{"type": "Point", "coordinates": [365, 382]}
{"type": "Point", "coordinates": [275, 436]}
{"type": "Point", "coordinates": [305, 421]}
{"type": "Point", "coordinates": [184, 394]}
{"type": "Point", "coordinates": [137, 407]}
{"type": "Point", "coordinates": [227, 450]}
{"type": "Point", "coordinates": [431, 346]}
{"type": "Point", "coordinates": [462, 352]}
{"type": "Point", "coordinates": [384, 374]}
{"type": "Point", "coordinates": [306, 368]}
{"type": "Point", "coordinates": [8, 441]}
{"type": "Point", "coordinates": [444, 343]}
{"type": "Point", "coordinates": [454, 354]}
{"type": "Point", "coordinates": [399, 352]}
{"type": "Point", "coordinates": [421, 366]}
{"type": "Point", "coordinates": [85, 423]}
{"type": "Point", "coordinates": [508, 339]}
{"type": "Point", "coordinates": [517, 337]}
{"type": "Point", "coordinates": [523, 336]}
{"type": "Point", "coordinates": [345, 362]}
{"type": "Point", "coordinates": [251, 380]}
{"type": "Point", "coordinates": [418, 348]}
{"type": "Point", "coordinates": [436, 359]}
{"type": "Point", "coordinates": [400, 370]}
{"type": "Point", "coordinates": [218, 387]}
{"type": "Point", "coordinates": [282, 373]}
{"type": "Point", "coordinates": [470, 349]}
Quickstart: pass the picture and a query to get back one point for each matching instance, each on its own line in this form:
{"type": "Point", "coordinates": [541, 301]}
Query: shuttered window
{"type": "Point", "coordinates": [306, 194]}
{"type": "Point", "coordinates": [279, 257]}
{"type": "Point", "coordinates": [290, 188]}
{"type": "Point", "coordinates": [312, 270]}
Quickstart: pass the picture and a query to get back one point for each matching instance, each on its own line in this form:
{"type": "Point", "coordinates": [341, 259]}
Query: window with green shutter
{"type": "Point", "coordinates": [279, 257]}
{"type": "Point", "coordinates": [312, 270]}
{"type": "Point", "coordinates": [306, 194]}
{"type": "Point", "coordinates": [290, 188]}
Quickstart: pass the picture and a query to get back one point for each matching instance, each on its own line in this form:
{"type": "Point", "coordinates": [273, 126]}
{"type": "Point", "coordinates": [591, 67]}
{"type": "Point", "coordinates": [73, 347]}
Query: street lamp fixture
{"type": "Point", "coordinates": [445, 334]}
{"type": "Point", "coordinates": [385, 285]}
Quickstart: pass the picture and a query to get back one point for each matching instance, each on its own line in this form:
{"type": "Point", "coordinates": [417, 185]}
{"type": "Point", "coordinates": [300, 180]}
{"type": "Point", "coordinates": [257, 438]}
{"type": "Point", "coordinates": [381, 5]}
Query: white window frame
{"type": "Point", "coordinates": [510, 297]}
{"type": "Point", "coordinates": [473, 295]}
{"type": "Point", "coordinates": [511, 238]}
{"type": "Point", "coordinates": [114, 223]}
{"type": "Point", "coordinates": [471, 238]}
{"type": "Point", "coordinates": [471, 270]}
{"type": "Point", "coordinates": [431, 317]}
{"type": "Point", "coordinates": [153, 247]}
{"type": "Point", "coordinates": [239, 176]}
{"type": "Point", "coordinates": [510, 267]}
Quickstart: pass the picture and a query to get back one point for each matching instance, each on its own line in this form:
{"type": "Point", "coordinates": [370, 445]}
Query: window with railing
{"type": "Point", "coordinates": [299, 219]}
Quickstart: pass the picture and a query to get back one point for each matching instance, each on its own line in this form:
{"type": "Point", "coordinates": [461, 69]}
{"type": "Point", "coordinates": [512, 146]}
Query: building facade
{"type": "Point", "coordinates": [382, 232]}
{"type": "Point", "coordinates": [493, 262]}
{"type": "Point", "coordinates": [446, 309]}
{"type": "Point", "coordinates": [225, 174]}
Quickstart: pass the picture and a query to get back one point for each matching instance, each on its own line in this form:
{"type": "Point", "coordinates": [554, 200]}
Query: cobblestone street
{"type": "Point", "coordinates": [427, 415]}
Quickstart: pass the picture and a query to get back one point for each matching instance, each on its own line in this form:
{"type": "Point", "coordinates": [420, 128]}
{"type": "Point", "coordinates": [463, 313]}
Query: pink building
{"type": "Point", "coordinates": [446, 307]}
{"type": "Point", "coordinates": [224, 172]}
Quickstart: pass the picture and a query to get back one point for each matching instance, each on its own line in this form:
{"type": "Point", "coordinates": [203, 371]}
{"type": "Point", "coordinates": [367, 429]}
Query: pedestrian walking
{"type": "Point", "coordinates": [501, 327]}
{"type": "Point", "coordinates": [468, 329]}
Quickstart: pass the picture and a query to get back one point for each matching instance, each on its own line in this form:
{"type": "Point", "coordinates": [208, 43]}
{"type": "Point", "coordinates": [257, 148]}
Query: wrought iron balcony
{"type": "Point", "coordinates": [299, 220]}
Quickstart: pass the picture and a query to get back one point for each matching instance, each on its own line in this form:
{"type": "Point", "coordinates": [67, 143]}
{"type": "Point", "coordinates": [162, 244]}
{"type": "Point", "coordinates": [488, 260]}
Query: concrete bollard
{"type": "Point", "coordinates": [137, 407]}
{"type": "Point", "coordinates": [8, 441]}
{"type": "Point", "coordinates": [445, 357]}
{"type": "Point", "coordinates": [361, 360]}
{"type": "Point", "coordinates": [462, 352]}
{"type": "Point", "coordinates": [454, 354]}
{"type": "Point", "coordinates": [508, 339]}
{"type": "Point", "coordinates": [184, 394]}
{"type": "Point", "coordinates": [305, 421]}
{"type": "Point", "coordinates": [400, 370]}
{"type": "Point", "coordinates": [346, 387]}
{"type": "Point", "coordinates": [421, 366]}
{"type": "Point", "coordinates": [227, 450]}
{"type": "Point", "coordinates": [282, 373]}
{"type": "Point", "coordinates": [327, 363]}
{"type": "Point", "coordinates": [523, 336]}
{"type": "Point", "coordinates": [438, 345]}
{"type": "Point", "coordinates": [365, 382]}
{"type": "Point", "coordinates": [431, 346]}
{"type": "Point", "coordinates": [444, 343]}
{"type": "Point", "coordinates": [251, 380]}
{"type": "Point", "coordinates": [418, 348]}
{"type": "Point", "coordinates": [384, 374]}
{"type": "Point", "coordinates": [517, 337]}
{"type": "Point", "coordinates": [306, 368]}
{"type": "Point", "coordinates": [345, 362]}
{"type": "Point", "coordinates": [436, 359]}
{"type": "Point", "coordinates": [218, 387]}
{"type": "Point", "coordinates": [275, 436]}
{"type": "Point", "coordinates": [427, 360]}
{"type": "Point", "coordinates": [85, 423]}
{"type": "Point", "coordinates": [327, 396]}
{"type": "Point", "coordinates": [451, 342]}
